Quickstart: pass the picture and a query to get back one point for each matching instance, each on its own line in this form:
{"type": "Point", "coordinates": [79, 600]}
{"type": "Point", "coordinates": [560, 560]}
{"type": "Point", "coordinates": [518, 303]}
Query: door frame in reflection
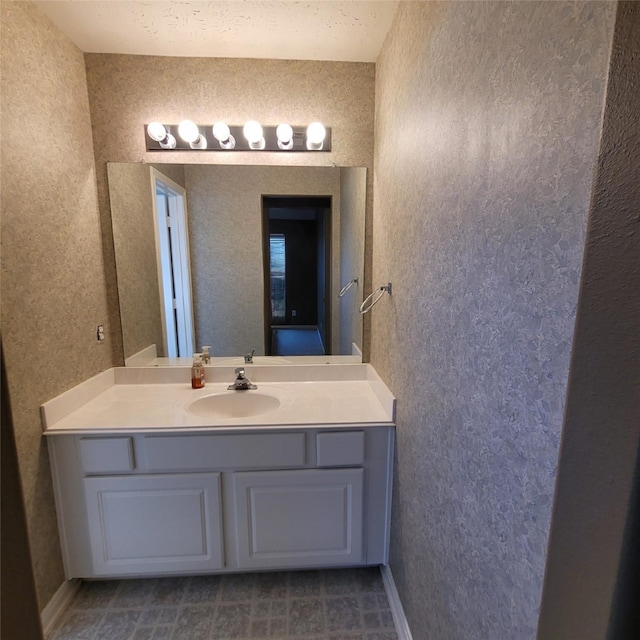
{"type": "Point", "coordinates": [174, 265]}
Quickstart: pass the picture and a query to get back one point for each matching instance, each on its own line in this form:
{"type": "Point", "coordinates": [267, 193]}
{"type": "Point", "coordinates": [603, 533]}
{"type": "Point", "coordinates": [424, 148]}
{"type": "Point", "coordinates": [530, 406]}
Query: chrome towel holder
{"type": "Point", "coordinates": [347, 287]}
{"type": "Point", "coordinates": [379, 292]}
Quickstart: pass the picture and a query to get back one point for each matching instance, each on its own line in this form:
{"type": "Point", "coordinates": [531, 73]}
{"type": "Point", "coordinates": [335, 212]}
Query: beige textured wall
{"type": "Point", "coordinates": [53, 282]}
{"type": "Point", "coordinates": [135, 253]}
{"type": "Point", "coordinates": [488, 118]}
{"type": "Point", "coordinates": [225, 235]}
{"type": "Point", "coordinates": [125, 92]}
{"type": "Point", "coordinates": [353, 184]}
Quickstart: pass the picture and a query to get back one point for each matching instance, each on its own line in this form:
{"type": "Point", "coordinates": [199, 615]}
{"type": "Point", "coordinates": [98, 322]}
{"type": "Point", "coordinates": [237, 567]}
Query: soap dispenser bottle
{"type": "Point", "coordinates": [206, 354]}
{"type": "Point", "coordinates": [197, 372]}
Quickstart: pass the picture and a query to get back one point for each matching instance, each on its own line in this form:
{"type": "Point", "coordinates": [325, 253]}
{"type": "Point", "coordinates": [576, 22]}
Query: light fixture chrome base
{"type": "Point", "coordinates": [298, 141]}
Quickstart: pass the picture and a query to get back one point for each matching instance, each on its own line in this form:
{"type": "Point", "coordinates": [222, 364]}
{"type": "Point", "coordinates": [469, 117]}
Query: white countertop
{"type": "Point", "coordinates": [238, 361]}
{"type": "Point", "coordinates": [121, 400]}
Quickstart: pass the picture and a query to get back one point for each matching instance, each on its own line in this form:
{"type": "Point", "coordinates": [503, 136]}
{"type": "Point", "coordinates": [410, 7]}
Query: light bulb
{"type": "Point", "coordinates": [284, 133]}
{"type": "Point", "coordinates": [222, 134]}
{"type": "Point", "coordinates": [315, 136]}
{"type": "Point", "coordinates": [188, 131]}
{"type": "Point", "coordinates": [156, 131]}
{"type": "Point", "coordinates": [221, 131]}
{"type": "Point", "coordinates": [253, 133]}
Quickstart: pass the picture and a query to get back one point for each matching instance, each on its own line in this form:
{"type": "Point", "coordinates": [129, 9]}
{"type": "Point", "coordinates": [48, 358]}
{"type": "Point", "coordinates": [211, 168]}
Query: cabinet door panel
{"type": "Point", "coordinates": [154, 524]}
{"type": "Point", "coordinates": [299, 518]}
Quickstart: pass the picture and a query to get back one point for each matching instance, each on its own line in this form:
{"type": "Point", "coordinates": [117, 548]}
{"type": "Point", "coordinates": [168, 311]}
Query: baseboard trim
{"type": "Point", "coordinates": [399, 619]}
{"type": "Point", "coordinates": [58, 604]}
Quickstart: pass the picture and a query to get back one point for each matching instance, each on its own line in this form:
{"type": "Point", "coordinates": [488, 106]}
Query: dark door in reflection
{"type": "Point", "coordinates": [297, 250]}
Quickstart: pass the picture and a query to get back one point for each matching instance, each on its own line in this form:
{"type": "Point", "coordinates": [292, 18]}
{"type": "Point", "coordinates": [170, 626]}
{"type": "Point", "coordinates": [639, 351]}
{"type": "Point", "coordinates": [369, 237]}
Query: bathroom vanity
{"type": "Point", "coordinates": [154, 478]}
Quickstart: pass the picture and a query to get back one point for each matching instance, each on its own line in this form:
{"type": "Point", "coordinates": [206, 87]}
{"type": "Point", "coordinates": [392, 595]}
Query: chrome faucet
{"type": "Point", "coordinates": [248, 358]}
{"type": "Point", "coordinates": [241, 383]}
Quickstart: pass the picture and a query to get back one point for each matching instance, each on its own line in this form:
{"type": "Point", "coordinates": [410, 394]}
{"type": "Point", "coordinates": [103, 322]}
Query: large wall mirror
{"type": "Point", "coordinates": [254, 257]}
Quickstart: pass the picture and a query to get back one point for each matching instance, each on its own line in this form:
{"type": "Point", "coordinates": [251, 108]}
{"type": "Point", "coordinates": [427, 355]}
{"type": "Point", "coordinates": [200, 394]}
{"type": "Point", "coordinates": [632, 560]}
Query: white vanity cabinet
{"type": "Point", "coordinates": [172, 501]}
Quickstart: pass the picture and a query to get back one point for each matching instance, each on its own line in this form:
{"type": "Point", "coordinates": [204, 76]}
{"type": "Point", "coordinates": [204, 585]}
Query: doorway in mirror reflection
{"type": "Point", "coordinates": [174, 271]}
{"type": "Point", "coordinates": [297, 251]}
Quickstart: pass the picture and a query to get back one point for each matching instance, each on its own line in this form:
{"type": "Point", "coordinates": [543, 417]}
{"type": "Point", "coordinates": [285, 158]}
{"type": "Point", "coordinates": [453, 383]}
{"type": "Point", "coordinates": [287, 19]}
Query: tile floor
{"type": "Point", "coordinates": [296, 341]}
{"type": "Point", "coordinates": [341, 604]}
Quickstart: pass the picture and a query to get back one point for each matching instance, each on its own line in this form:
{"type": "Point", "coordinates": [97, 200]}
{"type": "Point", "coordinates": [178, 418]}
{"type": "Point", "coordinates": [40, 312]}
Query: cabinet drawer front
{"type": "Point", "coordinates": [242, 451]}
{"type": "Point", "coordinates": [340, 449]}
{"type": "Point", "coordinates": [106, 455]}
{"type": "Point", "coordinates": [154, 524]}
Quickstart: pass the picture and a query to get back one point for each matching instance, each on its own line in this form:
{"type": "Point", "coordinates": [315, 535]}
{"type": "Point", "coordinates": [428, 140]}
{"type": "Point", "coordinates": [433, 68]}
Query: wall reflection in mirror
{"type": "Point", "coordinates": [194, 266]}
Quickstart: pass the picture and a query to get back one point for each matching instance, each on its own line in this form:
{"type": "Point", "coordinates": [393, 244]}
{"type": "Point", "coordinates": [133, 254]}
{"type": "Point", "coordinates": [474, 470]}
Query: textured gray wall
{"type": "Point", "coordinates": [353, 185]}
{"type": "Point", "coordinates": [487, 126]}
{"type": "Point", "coordinates": [133, 90]}
{"type": "Point", "coordinates": [225, 235]}
{"type": "Point", "coordinates": [53, 282]}
{"type": "Point", "coordinates": [598, 462]}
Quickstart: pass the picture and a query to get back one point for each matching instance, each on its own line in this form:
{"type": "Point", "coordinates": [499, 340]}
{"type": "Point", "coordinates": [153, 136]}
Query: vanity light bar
{"type": "Point", "coordinates": [302, 138]}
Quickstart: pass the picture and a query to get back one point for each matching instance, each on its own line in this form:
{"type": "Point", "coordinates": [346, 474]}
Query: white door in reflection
{"type": "Point", "coordinates": [174, 270]}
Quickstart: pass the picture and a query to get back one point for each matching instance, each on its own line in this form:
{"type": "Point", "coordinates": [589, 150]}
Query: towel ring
{"type": "Point", "coordinates": [380, 291]}
{"type": "Point", "coordinates": [347, 287]}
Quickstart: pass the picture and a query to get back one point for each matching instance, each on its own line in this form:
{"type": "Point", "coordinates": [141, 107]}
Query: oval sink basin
{"type": "Point", "coordinates": [234, 404]}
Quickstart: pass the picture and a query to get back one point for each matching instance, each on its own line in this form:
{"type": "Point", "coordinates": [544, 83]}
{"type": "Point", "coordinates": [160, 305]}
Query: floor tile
{"type": "Point", "coordinates": [306, 617]}
{"type": "Point", "coordinates": [261, 609]}
{"type": "Point", "coordinates": [387, 619]}
{"type": "Point", "coordinates": [279, 608]}
{"type": "Point", "coordinates": [133, 593]}
{"type": "Point", "coordinates": [340, 604]}
{"type": "Point", "coordinates": [231, 621]}
{"type": "Point", "coordinates": [168, 615]}
{"type": "Point", "coordinates": [202, 590]}
{"type": "Point", "coordinates": [271, 585]}
{"type": "Point", "coordinates": [259, 629]}
{"type": "Point", "coordinates": [278, 626]}
{"type": "Point", "coordinates": [305, 584]}
{"type": "Point", "coordinates": [168, 591]}
{"type": "Point", "coordinates": [343, 614]}
{"type": "Point", "coordinates": [193, 623]}
{"type": "Point", "coordinates": [374, 601]}
{"type": "Point", "coordinates": [78, 625]}
{"type": "Point", "coordinates": [337, 582]}
{"type": "Point", "coordinates": [237, 587]}
{"type": "Point", "coordinates": [118, 625]}
{"type": "Point", "coordinates": [368, 580]}
{"type": "Point", "coordinates": [95, 595]}
{"type": "Point", "coordinates": [383, 635]}
{"type": "Point", "coordinates": [162, 633]}
{"type": "Point", "coordinates": [371, 620]}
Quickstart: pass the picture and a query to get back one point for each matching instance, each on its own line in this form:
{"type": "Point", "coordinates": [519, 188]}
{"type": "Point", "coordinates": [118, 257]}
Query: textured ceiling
{"type": "Point", "coordinates": [350, 30]}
